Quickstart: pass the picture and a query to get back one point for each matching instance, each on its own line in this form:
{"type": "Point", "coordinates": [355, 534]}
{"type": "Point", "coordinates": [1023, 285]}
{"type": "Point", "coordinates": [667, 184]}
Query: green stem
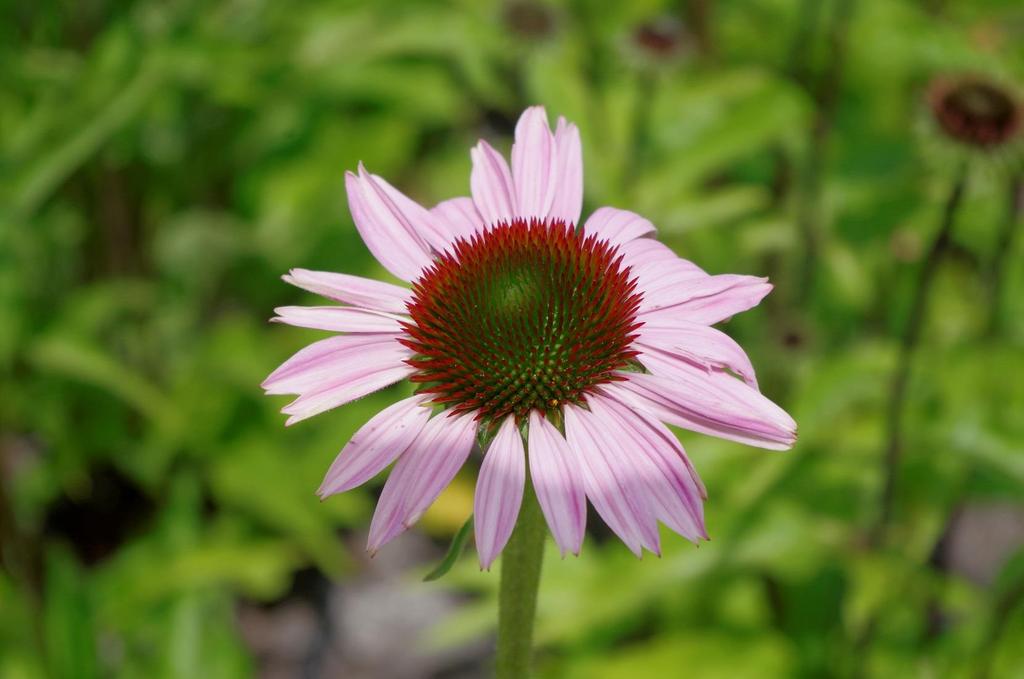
{"type": "Point", "coordinates": [892, 460]}
{"type": "Point", "coordinates": [827, 91]}
{"type": "Point", "coordinates": [908, 348]}
{"type": "Point", "coordinates": [997, 272]}
{"type": "Point", "coordinates": [520, 577]}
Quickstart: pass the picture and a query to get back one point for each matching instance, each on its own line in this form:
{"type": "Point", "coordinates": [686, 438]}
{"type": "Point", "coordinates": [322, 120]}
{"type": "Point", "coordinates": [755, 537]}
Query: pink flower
{"type": "Point", "coordinates": [524, 333]}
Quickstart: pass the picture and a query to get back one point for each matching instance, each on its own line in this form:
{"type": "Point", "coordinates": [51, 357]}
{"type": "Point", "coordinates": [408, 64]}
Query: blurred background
{"type": "Point", "coordinates": [162, 164]}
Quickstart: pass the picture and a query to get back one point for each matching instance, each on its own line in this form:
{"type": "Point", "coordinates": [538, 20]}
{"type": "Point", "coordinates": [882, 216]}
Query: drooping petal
{"type": "Point", "coordinates": [618, 227]}
{"type": "Point", "coordinates": [663, 432]}
{"type": "Point", "coordinates": [558, 483]}
{"type": "Point", "coordinates": [705, 300]}
{"type": "Point", "coordinates": [533, 164]}
{"type": "Point", "coordinates": [459, 217]}
{"type": "Point", "coordinates": [340, 287]}
{"type": "Point", "coordinates": [710, 403]}
{"type": "Point", "coordinates": [655, 455]}
{"type": "Point", "coordinates": [490, 182]}
{"type": "Point", "coordinates": [387, 229]}
{"type": "Point", "coordinates": [312, 365]}
{"type": "Point", "coordinates": [611, 485]}
{"type": "Point", "coordinates": [499, 492]}
{"type": "Point", "coordinates": [375, 446]}
{"type": "Point", "coordinates": [568, 198]}
{"type": "Point", "coordinates": [350, 376]}
{"type": "Point", "coordinates": [339, 319]}
{"type": "Point", "coordinates": [425, 469]}
{"type": "Point", "coordinates": [702, 344]}
{"type": "Point", "coordinates": [720, 387]}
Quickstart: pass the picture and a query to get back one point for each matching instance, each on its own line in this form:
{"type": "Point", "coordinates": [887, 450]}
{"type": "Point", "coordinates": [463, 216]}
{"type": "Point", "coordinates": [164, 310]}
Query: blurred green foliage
{"type": "Point", "coordinates": [163, 163]}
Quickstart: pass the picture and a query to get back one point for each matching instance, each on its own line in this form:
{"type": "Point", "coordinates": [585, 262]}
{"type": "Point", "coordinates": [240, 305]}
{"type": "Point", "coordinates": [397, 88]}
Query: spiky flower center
{"type": "Point", "coordinates": [524, 315]}
{"type": "Point", "coordinates": [975, 112]}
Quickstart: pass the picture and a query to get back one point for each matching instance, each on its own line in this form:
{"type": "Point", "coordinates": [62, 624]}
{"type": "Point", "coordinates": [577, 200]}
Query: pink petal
{"type": "Point", "coordinates": [671, 484]}
{"type": "Point", "coordinates": [702, 344]}
{"type": "Point", "coordinates": [705, 300]}
{"type": "Point", "coordinates": [666, 283]}
{"type": "Point", "coordinates": [643, 251]}
{"type": "Point", "coordinates": [666, 434]}
{"type": "Point", "coordinates": [350, 376]}
{"type": "Point", "coordinates": [568, 197]}
{"type": "Point", "coordinates": [415, 216]}
{"type": "Point", "coordinates": [459, 216]}
{"type": "Point", "coordinates": [375, 446]}
{"type": "Point", "coordinates": [533, 163]}
{"type": "Point", "coordinates": [611, 484]}
{"type": "Point", "coordinates": [339, 319]}
{"type": "Point", "coordinates": [618, 227]}
{"type": "Point", "coordinates": [352, 388]}
{"type": "Point", "coordinates": [499, 492]}
{"type": "Point", "coordinates": [387, 231]}
{"type": "Point", "coordinates": [657, 269]}
{"type": "Point", "coordinates": [312, 365]}
{"type": "Point", "coordinates": [716, 404]}
{"type": "Point", "coordinates": [362, 292]}
{"type": "Point", "coordinates": [491, 185]}
{"type": "Point", "coordinates": [425, 469]}
{"type": "Point", "coordinates": [559, 484]}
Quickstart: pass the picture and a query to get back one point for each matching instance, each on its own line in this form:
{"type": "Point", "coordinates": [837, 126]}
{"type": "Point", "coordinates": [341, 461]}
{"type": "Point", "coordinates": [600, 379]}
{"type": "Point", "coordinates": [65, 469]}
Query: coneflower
{"type": "Point", "coordinates": [532, 335]}
{"type": "Point", "coordinates": [558, 351]}
{"type": "Point", "coordinates": [973, 120]}
{"type": "Point", "coordinates": [974, 111]}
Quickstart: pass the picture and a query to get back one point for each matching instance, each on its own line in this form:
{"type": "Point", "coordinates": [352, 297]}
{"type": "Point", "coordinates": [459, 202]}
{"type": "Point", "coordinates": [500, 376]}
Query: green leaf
{"type": "Point", "coordinates": [54, 166]}
{"type": "Point", "coordinates": [69, 624]}
{"type": "Point", "coordinates": [454, 552]}
{"type": "Point", "coordinates": [91, 364]}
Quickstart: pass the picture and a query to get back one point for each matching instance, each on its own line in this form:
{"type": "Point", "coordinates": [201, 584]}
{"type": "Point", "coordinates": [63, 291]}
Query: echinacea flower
{"type": "Point", "coordinates": [661, 40]}
{"type": "Point", "coordinates": [529, 19]}
{"type": "Point", "coordinates": [974, 111]}
{"type": "Point", "coordinates": [557, 350]}
{"type": "Point", "coordinates": [973, 119]}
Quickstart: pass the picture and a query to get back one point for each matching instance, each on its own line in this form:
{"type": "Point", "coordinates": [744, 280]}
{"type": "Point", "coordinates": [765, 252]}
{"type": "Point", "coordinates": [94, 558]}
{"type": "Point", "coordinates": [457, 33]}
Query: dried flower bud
{"type": "Point", "coordinates": [975, 111]}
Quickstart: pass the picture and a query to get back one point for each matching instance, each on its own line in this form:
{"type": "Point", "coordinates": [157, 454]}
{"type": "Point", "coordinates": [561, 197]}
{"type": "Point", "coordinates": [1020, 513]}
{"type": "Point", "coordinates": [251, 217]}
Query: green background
{"type": "Point", "coordinates": [163, 163]}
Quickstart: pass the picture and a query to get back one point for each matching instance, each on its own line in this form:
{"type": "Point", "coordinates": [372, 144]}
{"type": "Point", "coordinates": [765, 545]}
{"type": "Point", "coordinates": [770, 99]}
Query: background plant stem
{"type": "Point", "coordinates": [826, 92]}
{"type": "Point", "coordinates": [897, 401]}
{"type": "Point", "coordinates": [21, 558]}
{"type": "Point", "coordinates": [699, 15]}
{"type": "Point", "coordinates": [908, 347]}
{"type": "Point", "coordinates": [517, 601]}
{"type": "Point", "coordinates": [1007, 238]}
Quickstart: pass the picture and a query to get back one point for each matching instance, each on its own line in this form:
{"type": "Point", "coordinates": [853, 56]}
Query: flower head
{"type": "Point", "coordinates": [529, 19]}
{"type": "Point", "coordinates": [660, 40]}
{"type": "Point", "coordinates": [556, 349]}
{"type": "Point", "coordinates": [522, 316]}
{"type": "Point", "coordinates": [973, 119]}
{"type": "Point", "coordinates": [974, 111]}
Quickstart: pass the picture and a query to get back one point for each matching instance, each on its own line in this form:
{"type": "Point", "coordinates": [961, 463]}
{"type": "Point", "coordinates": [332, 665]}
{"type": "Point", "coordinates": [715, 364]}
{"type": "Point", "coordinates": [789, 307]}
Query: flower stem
{"type": "Point", "coordinates": [997, 272]}
{"type": "Point", "coordinates": [897, 401]}
{"type": "Point", "coordinates": [826, 91]}
{"type": "Point", "coordinates": [520, 577]}
{"type": "Point", "coordinates": [908, 347]}
{"type": "Point", "coordinates": [698, 16]}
